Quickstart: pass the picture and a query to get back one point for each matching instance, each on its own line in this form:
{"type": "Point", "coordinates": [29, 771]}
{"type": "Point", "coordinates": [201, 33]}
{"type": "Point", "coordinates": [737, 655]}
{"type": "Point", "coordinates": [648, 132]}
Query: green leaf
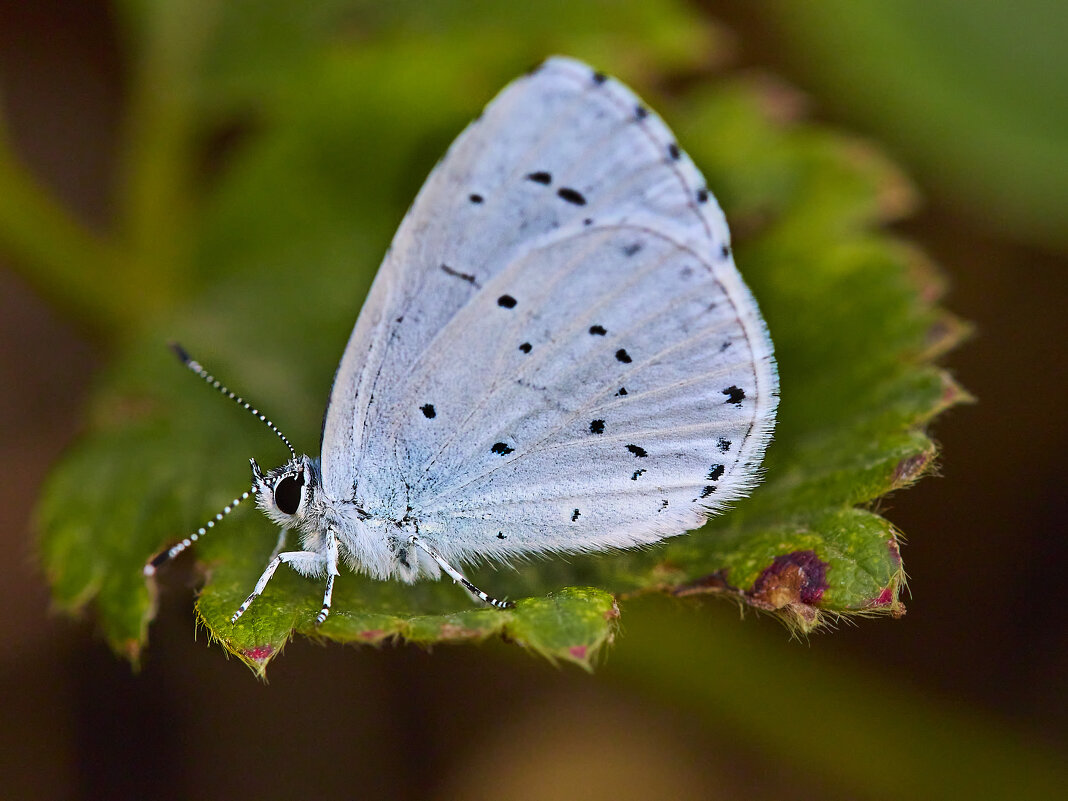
{"type": "Point", "coordinates": [285, 242]}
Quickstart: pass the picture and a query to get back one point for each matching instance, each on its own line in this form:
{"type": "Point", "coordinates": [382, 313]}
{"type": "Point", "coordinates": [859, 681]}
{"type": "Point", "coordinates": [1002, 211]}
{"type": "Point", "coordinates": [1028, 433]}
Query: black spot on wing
{"type": "Point", "coordinates": [674, 152]}
{"type": "Point", "coordinates": [734, 395]}
{"type": "Point", "coordinates": [598, 330]}
{"type": "Point", "coordinates": [702, 195]}
{"type": "Point", "coordinates": [632, 248]}
{"type": "Point", "coordinates": [634, 476]}
{"type": "Point", "coordinates": [571, 196]}
{"type": "Point", "coordinates": [506, 302]}
{"type": "Point", "coordinates": [708, 491]}
{"type": "Point", "coordinates": [637, 451]}
{"type": "Point", "coordinates": [724, 445]}
{"type": "Point", "coordinates": [640, 112]}
{"type": "Point", "coordinates": [715, 471]}
{"type": "Point", "coordinates": [475, 198]}
{"type": "Point", "coordinates": [428, 411]}
{"type": "Point", "coordinates": [525, 347]}
{"type": "Point", "coordinates": [623, 356]}
{"type": "Point", "coordinates": [597, 426]}
{"type": "Point", "coordinates": [501, 449]}
{"type": "Point", "coordinates": [599, 78]}
{"type": "Point", "coordinates": [622, 392]}
{"type": "Point", "coordinates": [540, 177]}
{"type": "Point", "coordinates": [725, 252]}
{"type": "Point", "coordinates": [575, 515]}
{"type": "Point", "coordinates": [501, 535]}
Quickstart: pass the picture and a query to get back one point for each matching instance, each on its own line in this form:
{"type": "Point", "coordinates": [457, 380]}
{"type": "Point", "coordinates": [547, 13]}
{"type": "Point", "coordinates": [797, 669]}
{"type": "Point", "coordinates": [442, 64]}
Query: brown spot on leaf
{"type": "Point", "coordinates": [798, 578]}
{"type": "Point", "coordinates": [577, 651]}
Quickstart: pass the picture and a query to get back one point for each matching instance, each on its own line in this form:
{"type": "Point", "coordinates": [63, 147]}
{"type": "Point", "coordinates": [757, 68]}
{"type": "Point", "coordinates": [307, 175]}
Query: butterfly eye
{"type": "Point", "coordinates": [287, 493]}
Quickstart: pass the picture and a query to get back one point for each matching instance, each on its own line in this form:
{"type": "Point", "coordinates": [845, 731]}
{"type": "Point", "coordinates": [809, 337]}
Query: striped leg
{"type": "Point", "coordinates": [308, 563]}
{"type": "Point", "coordinates": [331, 573]}
{"type": "Point", "coordinates": [327, 597]}
{"type": "Point", "coordinates": [457, 576]}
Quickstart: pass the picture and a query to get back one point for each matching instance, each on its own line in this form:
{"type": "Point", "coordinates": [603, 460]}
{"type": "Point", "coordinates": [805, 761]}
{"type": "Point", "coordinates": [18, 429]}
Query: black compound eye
{"type": "Point", "coordinates": [287, 493]}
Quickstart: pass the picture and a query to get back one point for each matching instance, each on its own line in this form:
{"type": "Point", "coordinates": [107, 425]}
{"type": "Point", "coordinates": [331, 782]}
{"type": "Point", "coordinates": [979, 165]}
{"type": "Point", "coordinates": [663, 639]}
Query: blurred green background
{"type": "Point", "coordinates": [964, 697]}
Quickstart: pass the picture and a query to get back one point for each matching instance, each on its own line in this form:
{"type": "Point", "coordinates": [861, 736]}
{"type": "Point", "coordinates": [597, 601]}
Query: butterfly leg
{"type": "Point", "coordinates": [308, 563]}
{"type": "Point", "coordinates": [331, 573]}
{"type": "Point", "coordinates": [327, 599]}
{"type": "Point", "coordinates": [457, 576]}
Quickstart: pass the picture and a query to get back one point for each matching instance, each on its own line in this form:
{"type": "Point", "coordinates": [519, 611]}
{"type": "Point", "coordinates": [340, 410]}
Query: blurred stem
{"type": "Point", "coordinates": [155, 195]}
{"type": "Point", "coordinates": [870, 735]}
{"type": "Point", "coordinates": [118, 285]}
{"type": "Point", "coordinates": [63, 258]}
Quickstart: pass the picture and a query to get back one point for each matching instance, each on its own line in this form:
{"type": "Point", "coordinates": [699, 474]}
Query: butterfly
{"type": "Point", "coordinates": [557, 355]}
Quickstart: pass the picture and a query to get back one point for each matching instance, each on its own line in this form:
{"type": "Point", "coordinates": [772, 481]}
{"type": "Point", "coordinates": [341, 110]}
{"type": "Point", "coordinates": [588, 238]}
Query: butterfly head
{"type": "Point", "coordinates": [286, 493]}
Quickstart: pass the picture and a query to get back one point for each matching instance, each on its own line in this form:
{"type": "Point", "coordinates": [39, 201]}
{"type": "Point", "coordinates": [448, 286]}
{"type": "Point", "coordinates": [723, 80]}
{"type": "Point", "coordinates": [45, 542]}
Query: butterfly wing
{"type": "Point", "coordinates": [558, 352]}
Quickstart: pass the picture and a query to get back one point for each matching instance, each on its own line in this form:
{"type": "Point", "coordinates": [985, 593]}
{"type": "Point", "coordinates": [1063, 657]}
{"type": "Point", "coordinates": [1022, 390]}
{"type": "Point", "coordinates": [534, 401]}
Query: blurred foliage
{"type": "Point", "coordinates": [972, 92]}
{"type": "Point", "coordinates": [848, 731]}
{"type": "Point", "coordinates": [268, 156]}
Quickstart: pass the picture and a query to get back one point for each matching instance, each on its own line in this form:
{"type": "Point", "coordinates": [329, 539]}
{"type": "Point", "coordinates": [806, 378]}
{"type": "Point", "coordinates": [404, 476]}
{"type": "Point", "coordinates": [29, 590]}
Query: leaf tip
{"type": "Point", "coordinates": [944, 334]}
{"type": "Point", "coordinates": [132, 650]}
{"type": "Point", "coordinates": [911, 468]}
{"type": "Point", "coordinates": [259, 653]}
{"type": "Point", "coordinates": [792, 587]}
{"type": "Point", "coordinates": [799, 577]}
{"type": "Point", "coordinates": [571, 625]}
{"type": "Point", "coordinates": [257, 658]}
{"type": "Point", "coordinates": [953, 394]}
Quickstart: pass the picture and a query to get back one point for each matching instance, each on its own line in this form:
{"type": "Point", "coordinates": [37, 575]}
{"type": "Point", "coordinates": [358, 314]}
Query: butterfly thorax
{"type": "Point", "coordinates": [371, 541]}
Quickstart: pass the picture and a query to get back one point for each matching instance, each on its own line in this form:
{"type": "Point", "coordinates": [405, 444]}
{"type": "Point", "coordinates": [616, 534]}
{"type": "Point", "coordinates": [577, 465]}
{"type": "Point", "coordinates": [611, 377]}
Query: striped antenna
{"type": "Point", "coordinates": [209, 379]}
{"type": "Point", "coordinates": [169, 553]}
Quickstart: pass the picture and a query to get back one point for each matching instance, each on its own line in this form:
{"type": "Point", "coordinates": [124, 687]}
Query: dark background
{"type": "Point", "coordinates": [985, 631]}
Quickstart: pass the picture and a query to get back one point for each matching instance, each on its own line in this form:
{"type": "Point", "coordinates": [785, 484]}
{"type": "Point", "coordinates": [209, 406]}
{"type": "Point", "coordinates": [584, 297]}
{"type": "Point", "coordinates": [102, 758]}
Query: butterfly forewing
{"type": "Point", "coordinates": [558, 353]}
